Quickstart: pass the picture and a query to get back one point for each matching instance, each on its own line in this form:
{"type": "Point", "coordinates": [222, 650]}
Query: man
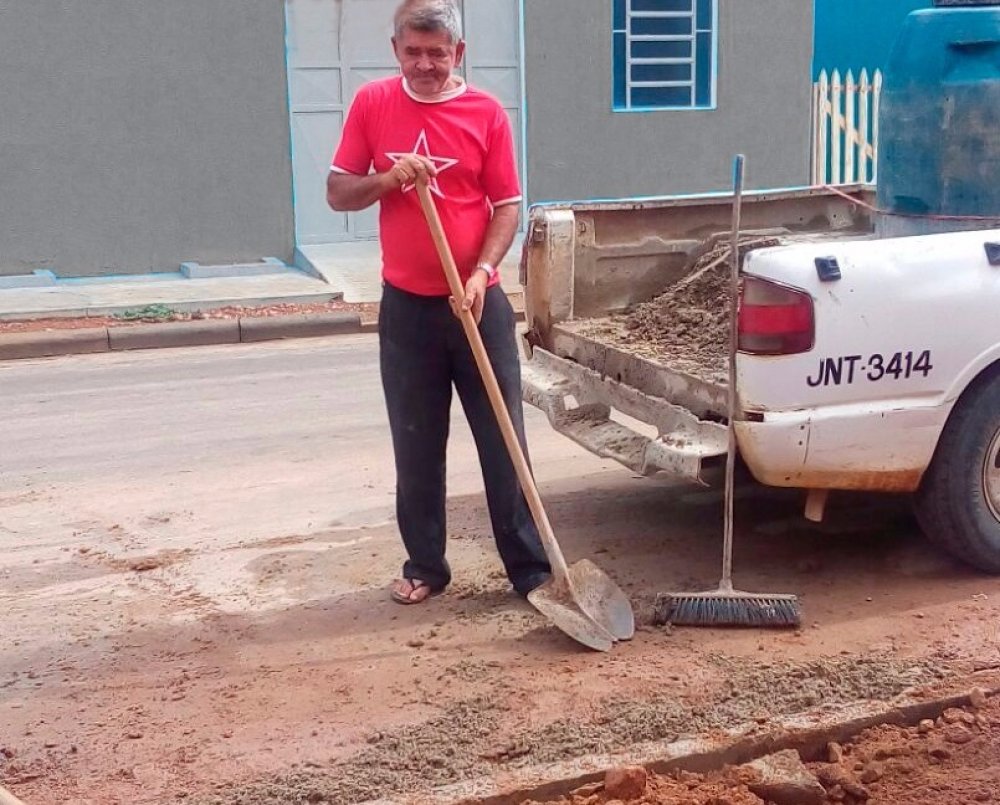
{"type": "Point", "coordinates": [429, 125]}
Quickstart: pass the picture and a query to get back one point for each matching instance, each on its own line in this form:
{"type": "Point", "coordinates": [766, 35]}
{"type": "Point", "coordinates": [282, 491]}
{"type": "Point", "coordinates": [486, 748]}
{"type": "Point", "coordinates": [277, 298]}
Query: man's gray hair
{"type": "Point", "coordinates": [429, 15]}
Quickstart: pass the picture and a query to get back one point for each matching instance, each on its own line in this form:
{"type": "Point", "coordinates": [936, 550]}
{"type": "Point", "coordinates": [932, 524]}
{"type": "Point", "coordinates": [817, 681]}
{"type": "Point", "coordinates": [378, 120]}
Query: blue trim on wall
{"type": "Point", "coordinates": [522, 69]}
{"type": "Point", "coordinates": [291, 130]}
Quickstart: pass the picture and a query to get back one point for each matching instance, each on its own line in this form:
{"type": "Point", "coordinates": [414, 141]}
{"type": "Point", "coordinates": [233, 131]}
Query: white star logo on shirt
{"type": "Point", "coordinates": [441, 163]}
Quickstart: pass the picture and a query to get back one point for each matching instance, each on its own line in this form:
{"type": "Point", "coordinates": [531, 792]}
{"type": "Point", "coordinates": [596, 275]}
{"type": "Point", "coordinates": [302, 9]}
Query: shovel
{"type": "Point", "coordinates": [580, 599]}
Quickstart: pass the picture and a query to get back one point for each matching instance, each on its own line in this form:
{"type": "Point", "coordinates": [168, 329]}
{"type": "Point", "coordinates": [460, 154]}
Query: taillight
{"type": "Point", "coordinates": [775, 319]}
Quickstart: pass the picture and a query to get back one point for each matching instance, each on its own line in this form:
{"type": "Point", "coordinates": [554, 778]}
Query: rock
{"type": "Point", "coordinates": [952, 715]}
{"type": "Point", "coordinates": [983, 796]}
{"type": "Point", "coordinates": [977, 698]}
{"type": "Point", "coordinates": [414, 643]}
{"type": "Point", "coordinates": [837, 793]}
{"type": "Point", "coordinates": [968, 719]}
{"type": "Point", "coordinates": [958, 734]}
{"type": "Point", "coordinates": [940, 753]}
{"type": "Point", "coordinates": [886, 752]}
{"type": "Point", "coordinates": [834, 752]}
{"type": "Point", "coordinates": [133, 736]}
{"type": "Point", "coordinates": [925, 726]}
{"type": "Point", "coordinates": [858, 791]}
{"type": "Point", "coordinates": [833, 776]}
{"type": "Point", "coordinates": [873, 773]}
{"type": "Point", "coordinates": [783, 779]}
{"type": "Point", "coordinates": [627, 782]}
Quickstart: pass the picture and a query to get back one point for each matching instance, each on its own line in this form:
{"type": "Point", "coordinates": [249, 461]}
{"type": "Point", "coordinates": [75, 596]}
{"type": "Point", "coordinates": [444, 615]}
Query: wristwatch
{"type": "Point", "coordinates": [491, 272]}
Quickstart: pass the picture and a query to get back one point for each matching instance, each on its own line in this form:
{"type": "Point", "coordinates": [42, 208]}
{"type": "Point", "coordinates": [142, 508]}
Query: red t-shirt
{"type": "Point", "coordinates": [468, 136]}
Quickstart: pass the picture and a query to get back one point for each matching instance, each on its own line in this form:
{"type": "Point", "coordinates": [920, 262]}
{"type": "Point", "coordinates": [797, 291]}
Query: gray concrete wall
{"type": "Point", "coordinates": [578, 148]}
{"type": "Point", "coordinates": [137, 134]}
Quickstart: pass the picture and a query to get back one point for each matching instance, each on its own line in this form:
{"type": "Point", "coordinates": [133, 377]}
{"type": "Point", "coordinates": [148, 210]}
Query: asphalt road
{"type": "Point", "coordinates": [252, 441]}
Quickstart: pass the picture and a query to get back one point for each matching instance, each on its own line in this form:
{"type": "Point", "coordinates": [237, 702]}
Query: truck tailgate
{"type": "Point", "coordinates": [593, 392]}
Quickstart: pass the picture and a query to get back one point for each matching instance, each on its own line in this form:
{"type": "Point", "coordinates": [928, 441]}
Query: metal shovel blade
{"type": "Point", "coordinates": [588, 606]}
{"type": "Point", "coordinates": [556, 603]}
{"type": "Point", "coordinates": [601, 599]}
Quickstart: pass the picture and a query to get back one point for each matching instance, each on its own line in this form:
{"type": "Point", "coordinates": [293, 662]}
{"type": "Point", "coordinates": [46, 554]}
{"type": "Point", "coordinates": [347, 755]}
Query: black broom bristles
{"type": "Point", "coordinates": [729, 609]}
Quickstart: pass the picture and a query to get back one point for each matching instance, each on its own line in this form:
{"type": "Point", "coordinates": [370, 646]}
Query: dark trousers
{"type": "Point", "coordinates": [423, 352]}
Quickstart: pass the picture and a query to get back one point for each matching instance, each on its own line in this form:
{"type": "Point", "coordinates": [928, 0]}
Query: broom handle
{"type": "Point", "coordinates": [734, 298]}
{"type": "Point", "coordinates": [552, 550]}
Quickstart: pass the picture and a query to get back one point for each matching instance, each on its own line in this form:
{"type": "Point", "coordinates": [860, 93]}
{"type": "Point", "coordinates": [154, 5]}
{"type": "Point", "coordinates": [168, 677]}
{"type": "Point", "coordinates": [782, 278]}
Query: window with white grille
{"type": "Point", "coordinates": [665, 54]}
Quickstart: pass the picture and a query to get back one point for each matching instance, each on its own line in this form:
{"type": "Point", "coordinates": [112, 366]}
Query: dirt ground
{"type": "Point", "coordinates": [953, 760]}
{"type": "Point", "coordinates": [195, 609]}
{"type": "Point", "coordinates": [339, 696]}
{"type": "Point", "coordinates": [155, 314]}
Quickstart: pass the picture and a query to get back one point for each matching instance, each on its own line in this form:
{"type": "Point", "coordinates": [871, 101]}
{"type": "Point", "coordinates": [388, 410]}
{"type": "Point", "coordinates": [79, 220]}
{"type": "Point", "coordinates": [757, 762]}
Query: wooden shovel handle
{"type": "Point", "coordinates": [552, 550]}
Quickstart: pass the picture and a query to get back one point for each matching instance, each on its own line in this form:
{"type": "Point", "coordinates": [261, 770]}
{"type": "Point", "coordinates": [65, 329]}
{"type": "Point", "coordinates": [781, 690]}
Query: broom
{"type": "Point", "coordinates": [727, 606]}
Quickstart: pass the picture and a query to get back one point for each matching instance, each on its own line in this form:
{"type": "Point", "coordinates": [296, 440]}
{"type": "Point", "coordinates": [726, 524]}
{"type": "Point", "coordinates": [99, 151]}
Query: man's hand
{"type": "Point", "coordinates": [411, 167]}
{"type": "Point", "coordinates": [475, 296]}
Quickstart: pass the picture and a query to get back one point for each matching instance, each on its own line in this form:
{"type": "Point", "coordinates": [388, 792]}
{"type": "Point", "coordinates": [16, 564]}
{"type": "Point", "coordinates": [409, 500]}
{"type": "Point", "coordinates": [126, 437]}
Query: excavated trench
{"type": "Point", "coordinates": [953, 757]}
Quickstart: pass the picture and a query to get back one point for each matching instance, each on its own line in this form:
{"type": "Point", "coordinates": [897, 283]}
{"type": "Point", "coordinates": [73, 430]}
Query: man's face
{"type": "Point", "coordinates": [427, 59]}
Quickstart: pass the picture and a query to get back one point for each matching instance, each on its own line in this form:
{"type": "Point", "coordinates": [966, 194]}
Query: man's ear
{"type": "Point", "coordinates": [395, 46]}
{"type": "Point", "coordinates": [459, 53]}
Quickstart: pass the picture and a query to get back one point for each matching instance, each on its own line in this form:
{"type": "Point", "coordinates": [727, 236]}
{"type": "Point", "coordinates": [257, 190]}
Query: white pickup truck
{"type": "Point", "coordinates": [863, 364]}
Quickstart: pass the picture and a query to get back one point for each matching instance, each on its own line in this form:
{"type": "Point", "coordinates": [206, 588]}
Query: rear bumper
{"type": "Point", "coordinates": [885, 449]}
{"type": "Point", "coordinates": [580, 403]}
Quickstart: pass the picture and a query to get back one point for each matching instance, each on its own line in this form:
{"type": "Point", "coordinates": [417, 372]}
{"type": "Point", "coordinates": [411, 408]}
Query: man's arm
{"type": "Point", "coordinates": [499, 237]}
{"type": "Point", "coordinates": [500, 234]}
{"type": "Point", "coordinates": [346, 192]}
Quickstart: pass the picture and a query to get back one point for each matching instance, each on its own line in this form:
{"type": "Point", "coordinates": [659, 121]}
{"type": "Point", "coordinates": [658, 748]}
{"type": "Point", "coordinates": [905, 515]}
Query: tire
{"type": "Point", "coordinates": [958, 503]}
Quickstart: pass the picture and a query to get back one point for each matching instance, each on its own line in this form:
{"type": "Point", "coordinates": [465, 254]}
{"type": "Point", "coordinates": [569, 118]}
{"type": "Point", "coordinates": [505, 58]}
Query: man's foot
{"type": "Point", "coordinates": [411, 591]}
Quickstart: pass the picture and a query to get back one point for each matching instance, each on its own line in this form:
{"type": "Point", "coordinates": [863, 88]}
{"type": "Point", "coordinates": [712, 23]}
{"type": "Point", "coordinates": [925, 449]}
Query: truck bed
{"type": "Point", "coordinates": [620, 394]}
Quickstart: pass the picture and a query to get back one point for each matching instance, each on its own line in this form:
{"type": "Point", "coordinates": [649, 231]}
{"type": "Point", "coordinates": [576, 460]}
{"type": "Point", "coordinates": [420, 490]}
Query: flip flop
{"type": "Point", "coordinates": [408, 600]}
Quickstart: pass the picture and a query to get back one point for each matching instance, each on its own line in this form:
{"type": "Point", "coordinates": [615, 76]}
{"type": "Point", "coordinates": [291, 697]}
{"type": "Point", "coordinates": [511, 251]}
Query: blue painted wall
{"type": "Point", "coordinates": [851, 34]}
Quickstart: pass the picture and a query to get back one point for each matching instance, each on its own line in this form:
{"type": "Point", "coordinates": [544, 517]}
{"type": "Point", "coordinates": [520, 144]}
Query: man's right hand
{"type": "Point", "coordinates": [410, 167]}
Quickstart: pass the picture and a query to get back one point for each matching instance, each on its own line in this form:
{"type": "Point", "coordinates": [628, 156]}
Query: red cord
{"type": "Point", "coordinates": [877, 211]}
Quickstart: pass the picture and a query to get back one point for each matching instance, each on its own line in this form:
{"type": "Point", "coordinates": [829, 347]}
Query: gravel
{"type": "Point", "coordinates": [462, 742]}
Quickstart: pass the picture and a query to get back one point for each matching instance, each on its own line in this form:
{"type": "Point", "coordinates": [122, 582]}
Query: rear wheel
{"type": "Point", "coordinates": [958, 503]}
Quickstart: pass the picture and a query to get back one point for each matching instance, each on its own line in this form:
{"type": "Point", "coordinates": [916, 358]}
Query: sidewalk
{"type": "Point", "coordinates": [334, 290]}
{"type": "Point", "coordinates": [348, 271]}
{"type": "Point", "coordinates": [353, 269]}
{"type": "Point", "coordinates": [249, 286]}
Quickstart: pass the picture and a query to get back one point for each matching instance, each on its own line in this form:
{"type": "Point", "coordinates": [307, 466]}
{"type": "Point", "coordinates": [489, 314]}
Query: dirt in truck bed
{"type": "Point", "coordinates": [686, 327]}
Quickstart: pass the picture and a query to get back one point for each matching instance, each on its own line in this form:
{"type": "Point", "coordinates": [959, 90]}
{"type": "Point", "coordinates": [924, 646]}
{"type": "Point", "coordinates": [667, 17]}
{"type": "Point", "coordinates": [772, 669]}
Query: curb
{"type": "Point", "coordinates": [175, 334]}
{"type": "Point", "coordinates": [14, 346]}
{"type": "Point", "coordinates": [302, 325]}
{"type": "Point", "coordinates": [808, 733]}
{"type": "Point", "coordinates": [205, 332]}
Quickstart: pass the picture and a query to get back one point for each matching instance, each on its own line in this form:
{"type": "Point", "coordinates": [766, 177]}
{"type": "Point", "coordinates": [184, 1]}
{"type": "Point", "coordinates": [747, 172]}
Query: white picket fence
{"type": "Point", "coordinates": [845, 127]}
